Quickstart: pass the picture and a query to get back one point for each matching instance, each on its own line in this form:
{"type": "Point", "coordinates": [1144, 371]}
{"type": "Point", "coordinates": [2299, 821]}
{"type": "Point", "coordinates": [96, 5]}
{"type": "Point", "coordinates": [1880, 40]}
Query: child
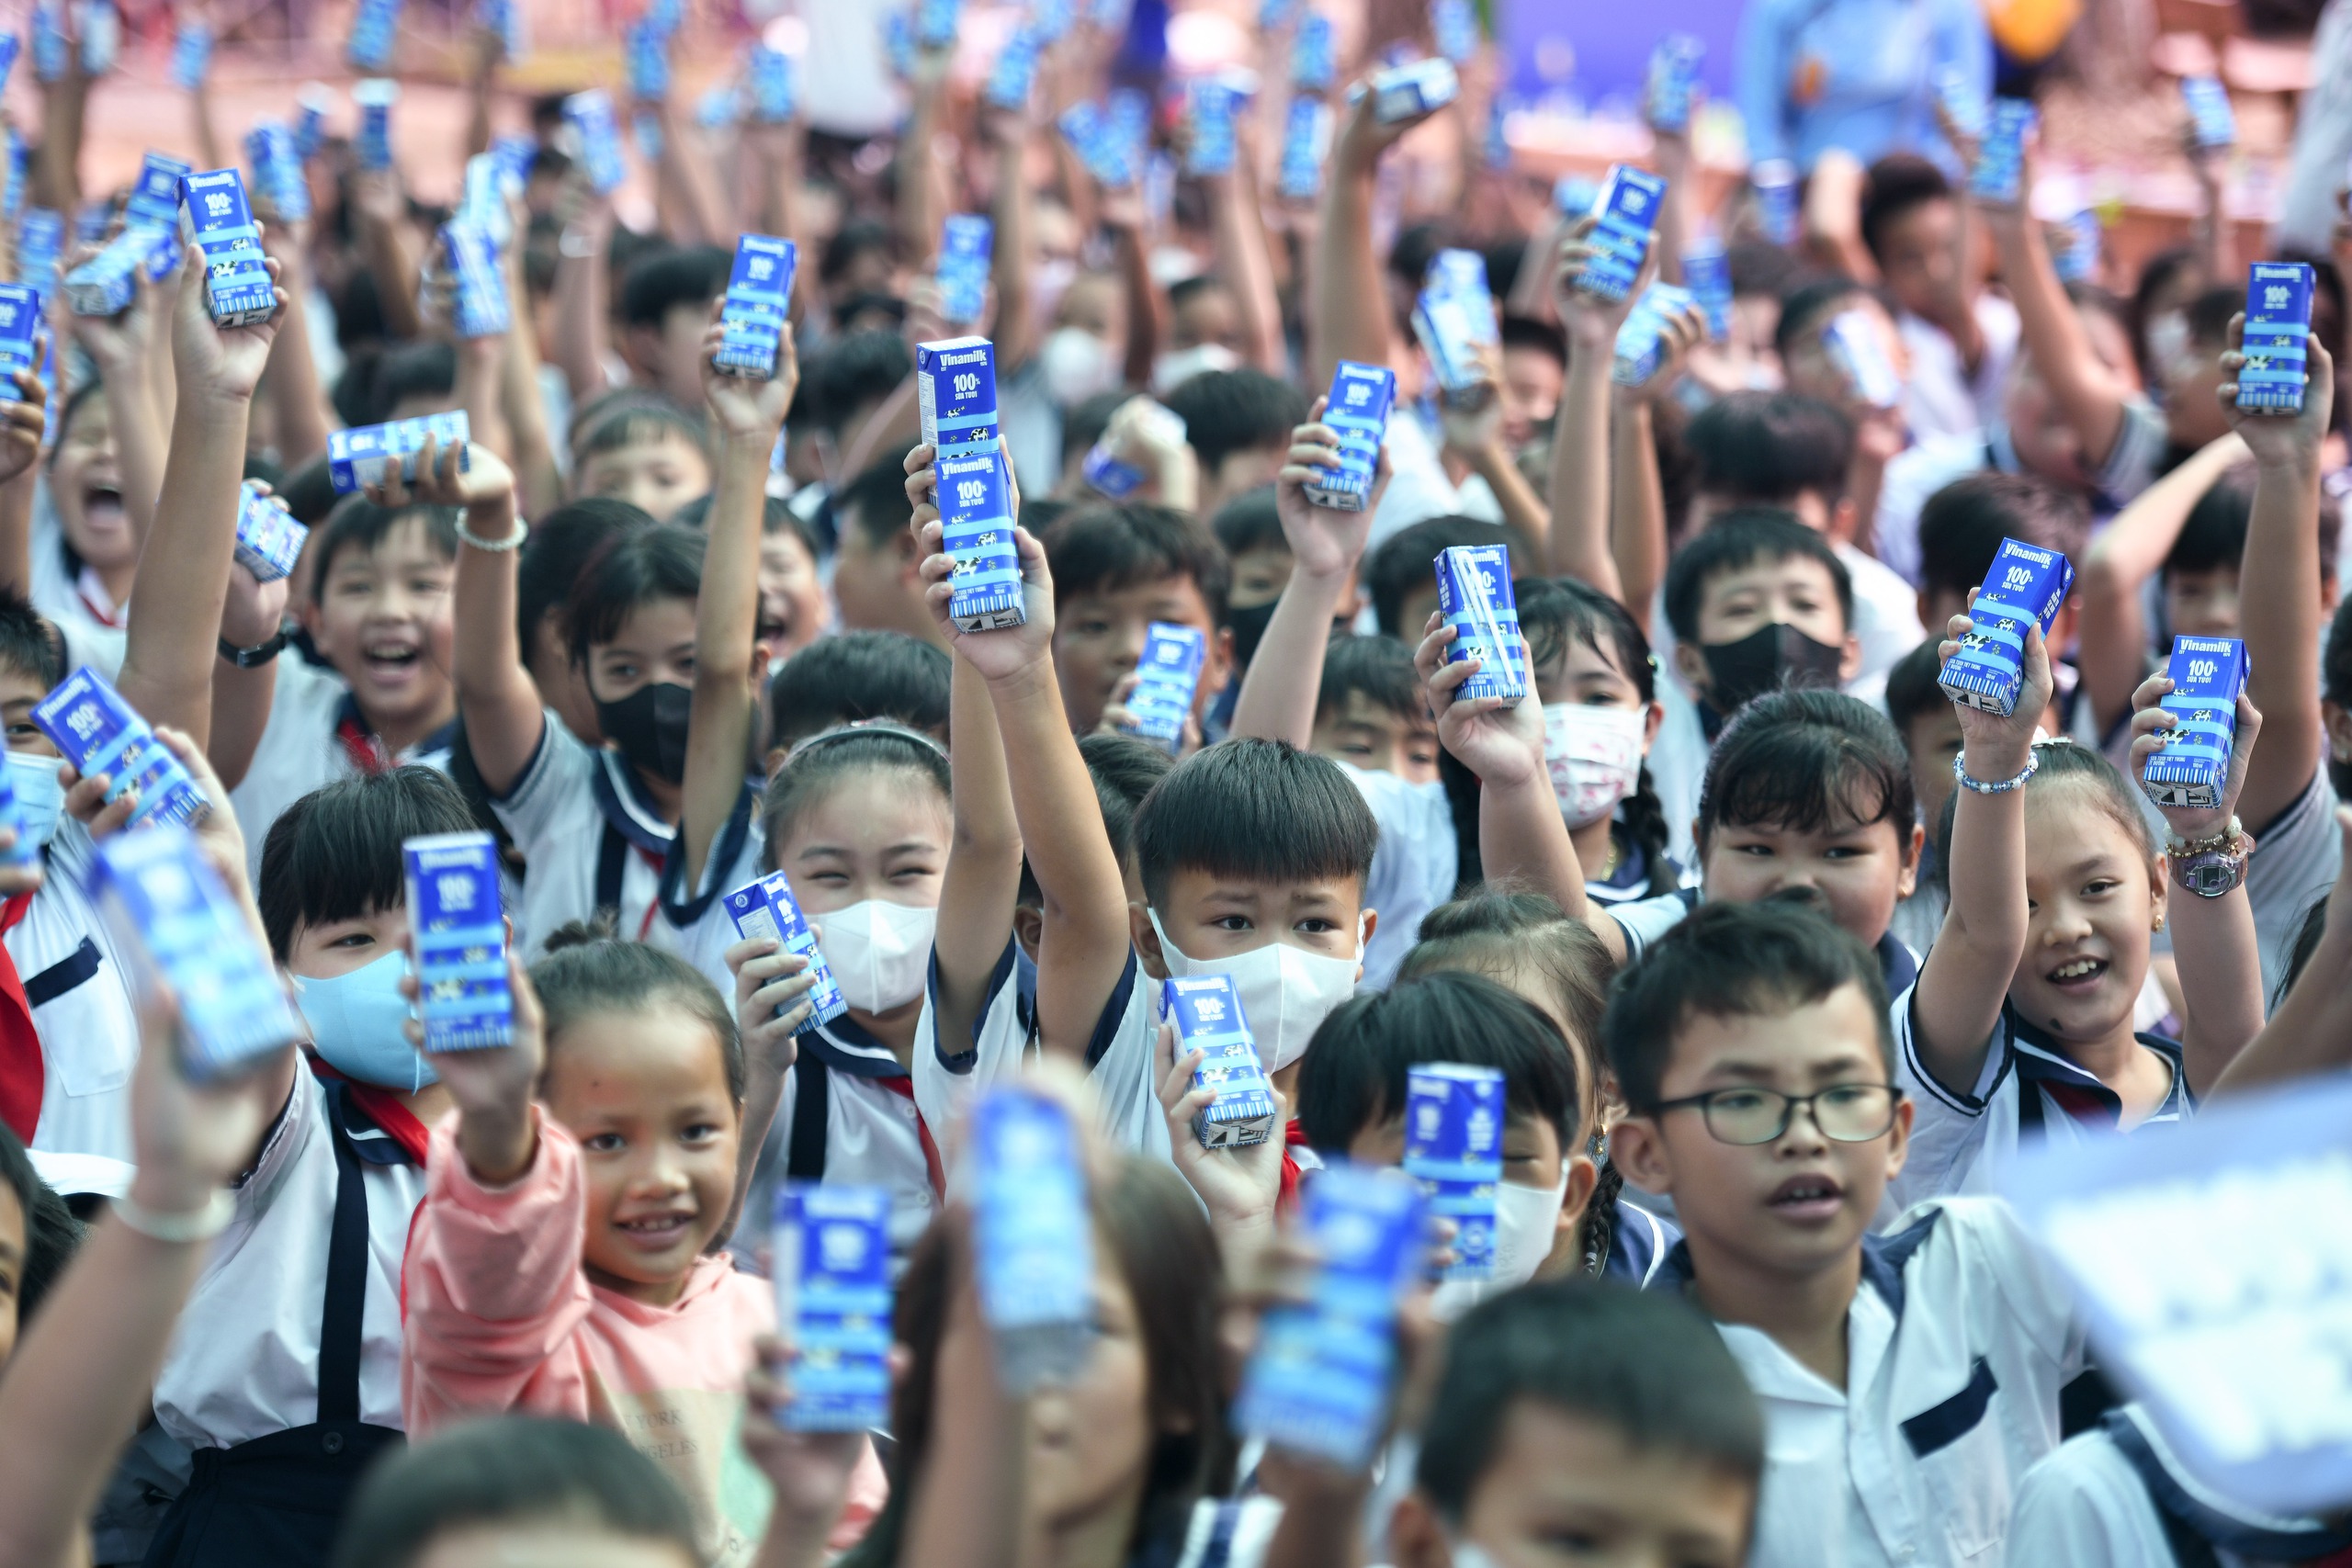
{"type": "Point", "coordinates": [337, 1180]}
{"type": "Point", "coordinates": [1961, 530]}
{"type": "Point", "coordinates": [514, 1486]}
{"type": "Point", "coordinates": [665, 303]}
{"type": "Point", "coordinates": [379, 614]}
{"type": "Point", "coordinates": [793, 611]}
{"type": "Point", "coordinates": [1907, 1380]}
{"type": "Point", "coordinates": [645, 450]}
{"type": "Point", "coordinates": [557, 551]}
{"type": "Point", "coordinates": [557, 1265]}
{"type": "Point", "coordinates": [1250, 529]}
{"type": "Point", "coordinates": [1115, 571]}
{"type": "Point", "coordinates": [875, 561]}
{"type": "Point", "coordinates": [852, 678]}
{"type": "Point", "coordinates": [1368, 711]}
{"type": "Point", "coordinates": [86, 543]}
{"type": "Point", "coordinates": [1929, 726]}
{"type": "Point", "coordinates": [1961, 337]}
{"type": "Point", "coordinates": [38, 1235]}
{"type": "Point", "coordinates": [1351, 1106]}
{"type": "Point", "coordinates": [1583, 1414]}
{"type": "Point", "coordinates": [1238, 422]}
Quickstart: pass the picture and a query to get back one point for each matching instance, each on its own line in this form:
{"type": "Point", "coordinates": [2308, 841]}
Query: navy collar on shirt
{"type": "Point", "coordinates": [625, 803]}
{"type": "Point", "coordinates": [682, 906]}
{"type": "Point", "coordinates": [2000, 452]}
{"type": "Point", "coordinates": [1884, 1260]}
{"type": "Point", "coordinates": [847, 1046]}
{"type": "Point", "coordinates": [2201, 1511]}
{"type": "Point", "coordinates": [2042, 1063]}
{"type": "Point", "coordinates": [1897, 963]}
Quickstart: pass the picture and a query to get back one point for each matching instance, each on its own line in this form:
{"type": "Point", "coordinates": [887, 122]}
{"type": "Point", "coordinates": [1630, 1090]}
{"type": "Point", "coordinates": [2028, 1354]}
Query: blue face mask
{"type": "Point", "coordinates": [39, 797]}
{"type": "Point", "coordinates": [356, 1023]}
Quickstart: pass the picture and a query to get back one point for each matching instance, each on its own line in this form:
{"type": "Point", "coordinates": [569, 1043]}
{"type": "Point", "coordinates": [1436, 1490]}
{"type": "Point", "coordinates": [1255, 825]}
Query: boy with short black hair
{"type": "Point", "coordinates": [1587, 1412]}
{"type": "Point", "coordinates": [640, 447]}
{"type": "Point", "coordinates": [1962, 527]}
{"type": "Point", "coordinates": [1238, 422]}
{"type": "Point", "coordinates": [1396, 575]}
{"type": "Point", "coordinates": [852, 678]}
{"type": "Point", "coordinates": [1961, 338]}
{"type": "Point", "coordinates": [664, 306]}
{"type": "Point", "coordinates": [1909, 1380]}
{"type": "Point", "coordinates": [1368, 711]}
{"type": "Point", "coordinates": [875, 554]}
{"type": "Point", "coordinates": [1116, 570]}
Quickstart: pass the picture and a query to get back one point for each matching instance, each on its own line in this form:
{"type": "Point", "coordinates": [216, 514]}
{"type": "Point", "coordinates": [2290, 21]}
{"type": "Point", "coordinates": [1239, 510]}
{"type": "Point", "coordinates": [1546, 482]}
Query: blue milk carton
{"type": "Point", "coordinates": [154, 204]}
{"type": "Point", "coordinates": [1166, 675]}
{"type": "Point", "coordinates": [1082, 127]}
{"type": "Point", "coordinates": [514, 155]}
{"type": "Point", "coordinates": [832, 1260]}
{"type": "Point", "coordinates": [1671, 87]}
{"type": "Point", "coordinates": [975, 533]}
{"type": "Point", "coordinates": [49, 43]}
{"type": "Point", "coordinates": [191, 55]}
{"type": "Point", "coordinates": [17, 812]}
{"type": "Point", "coordinates": [1475, 595]}
{"type": "Point", "coordinates": [268, 539]}
{"type": "Point", "coordinates": [478, 306]}
{"type": "Point", "coordinates": [767, 909]}
{"type": "Point", "coordinates": [237, 286]}
{"type": "Point", "coordinates": [1052, 18]}
{"type": "Point", "coordinates": [1032, 1236]}
{"type": "Point", "coordinates": [1855, 347]}
{"type": "Point", "coordinates": [19, 319]}
{"type": "Point", "coordinates": [459, 925]}
{"type": "Point", "coordinates": [1126, 133]}
{"type": "Point", "coordinates": [935, 23]}
{"type": "Point", "coordinates": [2024, 588]}
{"type": "Point", "coordinates": [2192, 766]}
{"type": "Point", "coordinates": [1274, 13]}
{"type": "Point", "coordinates": [1774, 181]}
{"type": "Point", "coordinates": [1620, 241]}
{"type": "Point", "coordinates": [1496, 149]}
{"type": "Point", "coordinates": [88, 721]}
{"type": "Point", "coordinates": [1108, 472]}
{"type": "Point", "coordinates": [1999, 171]}
{"type": "Point", "coordinates": [360, 458]}
{"type": "Point", "coordinates": [956, 390]}
{"type": "Point", "coordinates": [2076, 256]}
{"type": "Point", "coordinates": [158, 892]}
{"type": "Point", "coordinates": [310, 118]}
{"type": "Point", "coordinates": [1641, 341]}
{"type": "Point", "coordinates": [1318, 1383]}
{"type": "Point", "coordinates": [1014, 73]}
{"type": "Point", "coordinates": [508, 20]}
{"type": "Point", "coordinates": [646, 53]}
{"type": "Point", "coordinates": [278, 171]}
{"type": "Point", "coordinates": [101, 36]}
{"type": "Point", "coordinates": [1453, 1147]}
{"type": "Point", "coordinates": [1208, 1013]}
{"type": "Point", "coordinates": [102, 285]}
{"type": "Point", "coordinates": [751, 316]}
{"type": "Point", "coordinates": [965, 241]}
{"type": "Point", "coordinates": [1453, 28]}
{"type": "Point", "coordinates": [16, 176]}
{"type": "Point", "coordinates": [774, 92]}
{"type": "Point", "coordinates": [1961, 100]}
{"type": "Point", "coordinates": [1314, 53]}
{"type": "Point", "coordinates": [1306, 143]}
{"type": "Point", "coordinates": [2213, 124]}
{"type": "Point", "coordinates": [1419, 87]}
{"type": "Point", "coordinates": [1706, 273]}
{"type": "Point", "coordinates": [374, 30]}
{"type": "Point", "coordinates": [482, 204]}
{"type": "Point", "coordinates": [1211, 106]}
{"type": "Point", "coordinates": [898, 45]}
{"type": "Point", "coordinates": [375, 97]}
{"type": "Point", "coordinates": [1454, 318]}
{"type": "Point", "coordinates": [41, 239]}
{"type": "Point", "coordinates": [2277, 332]}
{"type": "Point", "coordinates": [589, 116]}
{"type": "Point", "coordinates": [1357, 412]}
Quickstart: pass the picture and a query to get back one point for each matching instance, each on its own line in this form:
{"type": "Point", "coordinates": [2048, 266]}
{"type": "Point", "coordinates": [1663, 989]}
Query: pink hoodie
{"type": "Point", "coordinates": [501, 1318]}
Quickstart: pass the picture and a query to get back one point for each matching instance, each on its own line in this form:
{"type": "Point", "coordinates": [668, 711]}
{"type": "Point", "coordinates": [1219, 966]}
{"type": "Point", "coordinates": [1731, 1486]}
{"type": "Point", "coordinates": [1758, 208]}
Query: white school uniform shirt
{"type": "Point", "coordinates": [1886, 614]}
{"type": "Point", "coordinates": [244, 1361]}
{"type": "Point", "coordinates": [1413, 869]}
{"type": "Point", "coordinates": [78, 607]}
{"type": "Point", "coordinates": [696, 926]}
{"type": "Point", "coordinates": [1942, 397]}
{"type": "Point", "coordinates": [2296, 857]}
{"type": "Point", "coordinates": [557, 812]}
{"type": "Point", "coordinates": [873, 1133]}
{"type": "Point", "coordinates": [300, 749]}
{"type": "Point", "coordinates": [1963, 1143]}
{"type": "Point", "coordinates": [81, 998]}
{"type": "Point", "coordinates": [1957, 1342]}
{"type": "Point", "coordinates": [2117, 1495]}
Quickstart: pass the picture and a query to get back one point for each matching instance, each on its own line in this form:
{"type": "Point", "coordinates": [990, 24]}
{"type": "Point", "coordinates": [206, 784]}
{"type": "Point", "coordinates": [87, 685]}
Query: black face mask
{"type": "Point", "coordinates": [1765, 659]}
{"type": "Point", "coordinates": [1249, 628]}
{"type": "Point", "coordinates": [649, 726]}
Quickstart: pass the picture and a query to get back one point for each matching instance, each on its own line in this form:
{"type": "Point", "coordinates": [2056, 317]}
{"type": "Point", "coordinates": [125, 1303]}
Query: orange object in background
{"type": "Point", "coordinates": [2029, 31]}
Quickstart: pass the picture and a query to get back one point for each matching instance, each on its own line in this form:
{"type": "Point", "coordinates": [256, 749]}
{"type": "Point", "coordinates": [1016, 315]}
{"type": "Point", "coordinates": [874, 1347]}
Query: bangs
{"type": "Point", "coordinates": [1810, 763]}
{"type": "Point", "coordinates": [335, 853]}
{"type": "Point", "coordinates": [1254, 811]}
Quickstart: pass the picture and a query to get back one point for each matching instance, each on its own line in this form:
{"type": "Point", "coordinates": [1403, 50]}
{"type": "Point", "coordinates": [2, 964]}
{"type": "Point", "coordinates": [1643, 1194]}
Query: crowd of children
{"type": "Point", "coordinates": [1728, 708]}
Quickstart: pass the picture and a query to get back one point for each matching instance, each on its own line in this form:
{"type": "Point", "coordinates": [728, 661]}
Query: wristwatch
{"type": "Point", "coordinates": [2212, 866]}
{"type": "Point", "coordinates": [259, 654]}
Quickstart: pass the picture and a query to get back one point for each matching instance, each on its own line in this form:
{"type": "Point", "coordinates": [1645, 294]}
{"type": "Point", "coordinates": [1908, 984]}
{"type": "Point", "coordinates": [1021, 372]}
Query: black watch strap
{"type": "Point", "coordinates": [259, 654]}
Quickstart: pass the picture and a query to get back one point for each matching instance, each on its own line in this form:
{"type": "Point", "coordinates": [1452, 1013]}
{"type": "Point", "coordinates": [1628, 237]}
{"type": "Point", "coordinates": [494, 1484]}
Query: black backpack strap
{"type": "Point", "coordinates": [343, 1321]}
{"type": "Point", "coordinates": [804, 1153]}
{"type": "Point", "coordinates": [612, 860]}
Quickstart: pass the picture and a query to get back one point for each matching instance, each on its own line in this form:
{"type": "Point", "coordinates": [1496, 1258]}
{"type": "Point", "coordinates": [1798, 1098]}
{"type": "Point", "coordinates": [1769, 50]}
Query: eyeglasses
{"type": "Point", "coordinates": [1846, 1112]}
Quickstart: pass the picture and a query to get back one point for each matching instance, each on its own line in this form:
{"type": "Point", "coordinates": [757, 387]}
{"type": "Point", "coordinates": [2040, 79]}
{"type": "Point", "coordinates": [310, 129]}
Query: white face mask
{"type": "Point", "coordinates": [1285, 991]}
{"type": "Point", "coordinates": [1594, 754]}
{"type": "Point", "coordinates": [879, 952]}
{"type": "Point", "coordinates": [1527, 1225]}
{"type": "Point", "coordinates": [1076, 364]}
{"type": "Point", "coordinates": [1178, 366]}
{"type": "Point", "coordinates": [2167, 341]}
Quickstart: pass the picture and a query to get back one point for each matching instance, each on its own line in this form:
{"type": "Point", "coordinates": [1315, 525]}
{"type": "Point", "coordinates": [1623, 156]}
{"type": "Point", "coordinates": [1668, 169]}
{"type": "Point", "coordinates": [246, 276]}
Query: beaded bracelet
{"type": "Point", "coordinates": [1999, 786]}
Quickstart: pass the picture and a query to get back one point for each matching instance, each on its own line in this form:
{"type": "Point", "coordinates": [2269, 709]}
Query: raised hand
{"type": "Point", "coordinates": [1325, 542]}
{"type": "Point", "coordinates": [1500, 741]}
{"type": "Point", "coordinates": [464, 473]}
{"type": "Point", "coordinates": [771, 1000]}
{"type": "Point", "coordinates": [23, 420]}
{"type": "Point", "coordinates": [2151, 722]}
{"type": "Point", "coordinates": [215, 361]}
{"type": "Point", "coordinates": [742, 408]}
{"type": "Point", "coordinates": [2281, 441]}
{"type": "Point", "coordinates": [1988, 736]}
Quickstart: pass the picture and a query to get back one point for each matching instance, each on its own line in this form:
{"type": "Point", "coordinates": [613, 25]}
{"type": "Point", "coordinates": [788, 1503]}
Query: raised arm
{"type": "Point", "coordinates": [1245, 261]}
{"type": "Point", "coordinates": [291, 381]}
{"type": "Point", "coordinates": [2312, 1030]}
{"type": "Point", "coordinates": [1580, 533]}
{"type": "Point", "coordinates": [581, 298]}
{"type": "Point", "coordinates": [1279, 691]}
{"type": "Point", "coordinates": [982, 881]}
{"type": "Point", "coordinates": [175, 621]}
{"type": "Point", "coordinates": [1967, 974]}
{"type": "Point", "coordinates": [922, 201]}
{"type": "Point", "coordinates": [2279, 585]}
{"type": "Point", "coordinates": [2113, 651]}
{"type": "Point", "coordinates": [2090, 397]}
{"type": "Point", "coordinates": [504, 717]}
{"type": "Point", "coordinates": [381, 206]}
{"type": "Point", "coordinates": [1348, 317]}
{"type": "Point", "coordinates": [57, 161]}
{"type": "Point", "coordinates": [1011, 215]}
{"type": "Point", "coordinates": [746, 416]}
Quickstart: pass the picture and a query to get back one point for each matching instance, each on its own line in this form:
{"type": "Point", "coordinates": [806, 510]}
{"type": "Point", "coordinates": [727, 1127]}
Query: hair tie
{"type": "Point", "coordinates": [863, 727]}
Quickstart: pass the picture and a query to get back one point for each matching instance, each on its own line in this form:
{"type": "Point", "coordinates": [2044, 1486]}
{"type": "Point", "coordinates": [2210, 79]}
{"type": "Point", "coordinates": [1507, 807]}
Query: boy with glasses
{"type": "Point", "coordinates": [1909, 1379]}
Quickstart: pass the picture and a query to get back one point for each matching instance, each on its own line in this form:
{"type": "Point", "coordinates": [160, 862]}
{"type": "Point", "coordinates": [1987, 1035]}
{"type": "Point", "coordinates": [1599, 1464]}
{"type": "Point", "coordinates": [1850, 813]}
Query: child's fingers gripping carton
{"type": "Point", "coordinates": [1318, 1383]}
{"type": "Point", "coordinates": [1208, 1013]}
{"type": "Point", "coordinates": [1106, 465]}
{"type": "Point", "coordinates": [364, 456]}
{"type": "Point", "coordinates": [160, 894]}
{"type": "Point", "coordinates": [2277, 337]}
{"type": "Point", "coordinates": [1476, 596]}
{"type": "Point", "coordinates": [1628, 212]}
{"type": "Point", "coordinates": [459, 925]}
{"type": "Point", "coordinates": [767, 909]}
{"type": "Point", "coordinates": [977, 532]}
{"type": "Point", "coordinates": [268, 539]}
{"type": "Point", "coordinates": [99, 732]}
{"type": "Point", "coordinates": [479, 307]}
{"type": "Point", "coordinates": [751, 314]}
{"type": "Point", "coordinates": [1033, 1233]}
{"type": "Point", "coordinates": [1357, 412]}
{"type": "Point", "coordinates": [1453, 1147]}
{"type": "Point", "coordinates": [104, 284]}
{"type": "Point", "coordinates": [20, 310]}
{"type": "Point", "coordinates": [1641, 342]}
{"type": "Point", "coordinates": [1166, 677]}
{"type": "Point", "coordinates": [2024, 588]}
{"type": "Point", "coordinates": [832, 1303]}
{"type": "Point", "coordinates": [238, 289]}
{"type": "Point", "coordinates": [1455, 318]}
{"type": "Point", "coordinates": [2190, 767]}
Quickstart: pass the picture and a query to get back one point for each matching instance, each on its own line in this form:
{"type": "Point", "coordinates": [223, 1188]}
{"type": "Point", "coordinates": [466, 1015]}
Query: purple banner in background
{"type": "Point", "coordinates": [1596, 50]}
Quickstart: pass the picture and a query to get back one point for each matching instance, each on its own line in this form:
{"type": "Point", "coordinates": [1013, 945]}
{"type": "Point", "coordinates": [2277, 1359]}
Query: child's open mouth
{"type": "Point", "coordinates": [102, 507]}
{"type": "Point", "coordinates": [1811, 1198]}
{"type": "Point", "coordinates": [2078, 974]}
{"type": "Point", "coordinates": [391, 662]}
{"type": "Point", "coordinates": [655, 1233]}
